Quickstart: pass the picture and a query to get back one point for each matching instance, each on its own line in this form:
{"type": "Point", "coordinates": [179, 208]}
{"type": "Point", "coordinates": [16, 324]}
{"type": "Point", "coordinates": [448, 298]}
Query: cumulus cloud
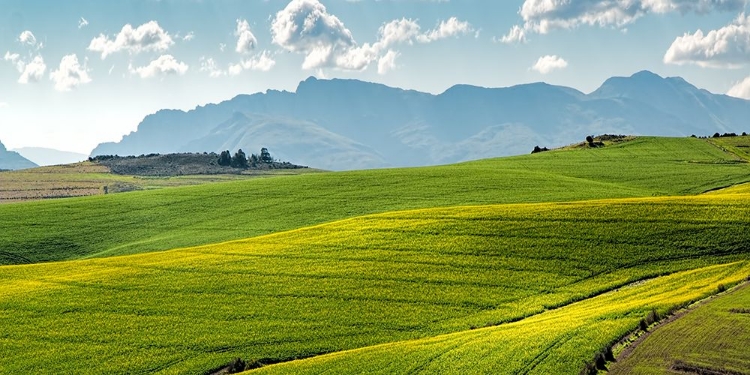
{"type": "Point", "coordinates": [262, 62]}
{"type": "Point", "coordinates": [28, 38]}
{"type": "Point", "coordinates": [147, 37]}
{"type": "Point", "coordinates": [741, 89]}
{"type": "Point", "coordinates": [548, 63]}
{"type": "Point", "coordinates": [163, 66]}
{"type": "Point", "coordinates": [542, 16]}
{"type": "Point", "coordinates": [446, 29]}
{"type": "Point", "coordinates": [387, 62]}
{"type": "Point", "coordinates": [306, 27]}
{"type": "Point", "coordinates": [246, 41]}
{"type": "Point", "coordinates": [728, 46]}
{"type": "Point", "coordinates": [82, 23]}
{"type": "Point", "coordinates": [33, 71]}
{"type": "Point", "coordinates": [210, 66]}
{"type": "Point", "coordinates": [70, 74]}
{"type": "Point", "coordinates": [398, 31]}
{"type": "Point", "coordinates": [14, 59]}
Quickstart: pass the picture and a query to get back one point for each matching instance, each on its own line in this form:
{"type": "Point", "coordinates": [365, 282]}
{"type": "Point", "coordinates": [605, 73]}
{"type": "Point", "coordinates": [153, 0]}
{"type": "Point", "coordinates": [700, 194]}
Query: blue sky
{"type": "Point", "coordinates": [74, 74]}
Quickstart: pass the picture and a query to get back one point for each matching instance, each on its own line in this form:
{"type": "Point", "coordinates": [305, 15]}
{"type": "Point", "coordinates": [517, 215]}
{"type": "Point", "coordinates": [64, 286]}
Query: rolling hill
{"type": "Point", "coordinates": [553, 284]}
{"type": "Point", "coordinates": [145, 221]}
{"type": "Point", "coordinates": [349, 124]}
{"type": "Point", "coordinates": [12, 160]}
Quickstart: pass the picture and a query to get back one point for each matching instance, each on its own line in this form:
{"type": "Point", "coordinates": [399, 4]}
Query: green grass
{"type": "Point", "coordinates": [714, 336]}
{"type": "Point", "coordinates": [554, 342]}
{"type": "Point", "coordinates": [380, 280]}
{"type": "Point", "coordinates": [739, 146]}
{"type": "Point", "coordinates": [156, 220]}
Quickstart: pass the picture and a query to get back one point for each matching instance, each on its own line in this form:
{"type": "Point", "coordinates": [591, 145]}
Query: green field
{"type": "Point", "coordinates": [180, 217]}
{"type": "Point", "coordinates": [712, 337]}
{"type": "Point", "coordinates": [372, 280]}
{"type": "Point", "coordinates": [528, 264]}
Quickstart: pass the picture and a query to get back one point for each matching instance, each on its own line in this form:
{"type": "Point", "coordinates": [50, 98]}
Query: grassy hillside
{"type": "Point", "coordinates": [713, 337]}
{"type": "Point", "coordinates": [169, 218]}
{"type": "Point", "coordinates": [381, 279]}
{"type": "Point", "coordinates": [554, 342]}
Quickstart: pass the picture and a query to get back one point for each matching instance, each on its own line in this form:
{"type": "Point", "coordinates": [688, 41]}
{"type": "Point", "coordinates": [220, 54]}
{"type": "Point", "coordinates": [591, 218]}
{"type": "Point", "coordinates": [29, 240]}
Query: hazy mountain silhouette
{"type": "Point", "coordinates": [13, 160]}
{"type": "Point", "coordinates": [350, 124]}
{"type": "Point", "coordinates": [48, 156]}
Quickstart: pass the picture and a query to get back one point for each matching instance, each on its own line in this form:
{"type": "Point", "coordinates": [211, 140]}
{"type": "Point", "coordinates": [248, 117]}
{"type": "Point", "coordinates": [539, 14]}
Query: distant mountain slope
{"type": "Point", "coordinates": [350, 124]}
{"type": "Point", "coordinates": [47, 156]}
{"type": "Point", "coordinates": [13, 160]}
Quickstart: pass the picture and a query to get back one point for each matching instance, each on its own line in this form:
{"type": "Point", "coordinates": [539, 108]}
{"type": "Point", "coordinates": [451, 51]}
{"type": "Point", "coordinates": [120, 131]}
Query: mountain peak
{"type": "Point", "coordinates": [646, 74]}
{"type": "Point", "coordinates": [2, 147]}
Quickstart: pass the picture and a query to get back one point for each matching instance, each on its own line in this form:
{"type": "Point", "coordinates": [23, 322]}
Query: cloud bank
{"type": "Point", "coordinates": [542, 16]}
{"type": "Point", "coordinates": [305, 27]}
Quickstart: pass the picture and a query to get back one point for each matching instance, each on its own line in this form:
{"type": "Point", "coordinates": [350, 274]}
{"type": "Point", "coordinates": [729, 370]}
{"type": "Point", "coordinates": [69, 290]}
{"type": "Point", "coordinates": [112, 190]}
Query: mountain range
{"type": "Point", "coordinates": [13, 160]}
{"type": "Point", "coordinates": [349, 124]}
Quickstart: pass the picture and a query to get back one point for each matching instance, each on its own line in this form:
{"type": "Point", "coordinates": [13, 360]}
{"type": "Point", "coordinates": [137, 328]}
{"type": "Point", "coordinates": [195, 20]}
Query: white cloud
{"type": "Point", "coordinates": [446, 29]}
{"type": "Point", "coordinates": [728, 46]}
{"type": "Point", "coordinates": [147, 37]}
{"type": "Point", "coordinates": [27, 37]}
{"type": "Point", "coordinates": [246, 41]}
{"type": "Point", "coordinates": [82, 23]}
{"type": "Point", "coordinates": [306, 27]}
{"type": "Point", "coordinates": [547, 64]}
{"type": "Point", "coordinates": [398, 31]}
{"type": "Point", "coordinates": [222, 47]}
{"type": "Point", "coordinates": [15, 59]}
{"type": "Point", "coordinates": [189, 36]}
{"type": "Point", "coordinates": [70, 74]}
{"type": "Point", "coordinates": [33, 71]}
{"type": "Point", "coordinates": [515, 35]}
{"type": "Point", "coordinates": [164, 65]}
{"type": "Point", "coordinates": [741, 89]}
{"type": "Point", "coordinates": [387, 62]}
{"type": "Point", "coordinates": [542, 16]}
{"type": "Point", "coordinates": [262, 62]}
{"type": "Point", "coordinates": [209, 65]}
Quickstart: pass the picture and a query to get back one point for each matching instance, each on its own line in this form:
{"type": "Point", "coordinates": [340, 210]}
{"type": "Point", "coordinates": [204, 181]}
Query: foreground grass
{"type": "Point", "coordinates": [554, 342]}
{"type": "Point", "coordinates": [712, 337]}
{"type": "Point", "coordinates": [147, 221]}
{"type": "Point", "coordinates": [376, 280]}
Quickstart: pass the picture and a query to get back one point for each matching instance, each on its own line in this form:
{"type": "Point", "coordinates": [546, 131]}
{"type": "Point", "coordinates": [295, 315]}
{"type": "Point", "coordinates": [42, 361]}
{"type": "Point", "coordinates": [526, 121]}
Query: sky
{"type": "Point", "coordinates": [74, 74]}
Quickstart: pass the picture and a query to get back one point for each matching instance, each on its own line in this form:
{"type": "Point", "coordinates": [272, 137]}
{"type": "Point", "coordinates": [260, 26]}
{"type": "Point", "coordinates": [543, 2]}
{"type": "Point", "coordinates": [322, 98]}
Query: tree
{"type": "Point", "coordinates": [590, 139]}
{"type": "Point", "coordinates": [239, 160]}
{"type": "Point", "coordinates": [225, 158]}
{"type": "Point", "coordinates": [265, 156]}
